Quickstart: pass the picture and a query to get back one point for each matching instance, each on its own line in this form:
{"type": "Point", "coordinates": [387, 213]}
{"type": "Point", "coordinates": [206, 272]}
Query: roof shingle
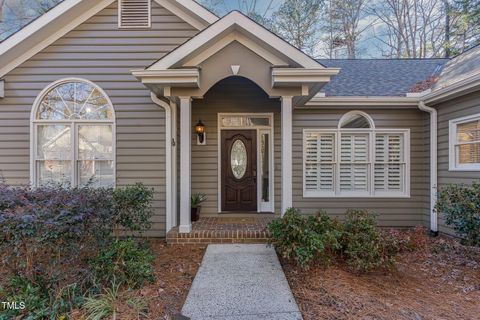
{"type": "Point", "coordinates": [378, 77]}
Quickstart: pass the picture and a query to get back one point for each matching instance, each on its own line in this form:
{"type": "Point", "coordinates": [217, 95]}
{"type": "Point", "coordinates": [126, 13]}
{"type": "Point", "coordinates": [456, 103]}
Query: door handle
{"type": "Point", "coordinates": [255, 176]}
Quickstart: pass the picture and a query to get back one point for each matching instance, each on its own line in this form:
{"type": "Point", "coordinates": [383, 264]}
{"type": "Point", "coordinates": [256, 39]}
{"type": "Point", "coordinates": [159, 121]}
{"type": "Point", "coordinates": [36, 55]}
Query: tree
{"type": "Point", "coordinates": [345, 16]}
{"type": "Point", "coordinates": [250, 8]}
{"type": "Point", "coordinates": [297, 21]}
{"type": "Point", "coordinates": [463, 25]}
{"type": "Point", "coordinates": [411, 28]}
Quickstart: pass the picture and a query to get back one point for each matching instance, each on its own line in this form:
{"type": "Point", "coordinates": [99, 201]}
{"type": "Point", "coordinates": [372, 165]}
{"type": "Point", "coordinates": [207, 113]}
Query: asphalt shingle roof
{"type": "Point", "coordinates": [379, 77]}
{"type": "Point", "coordinates": [460, 67]}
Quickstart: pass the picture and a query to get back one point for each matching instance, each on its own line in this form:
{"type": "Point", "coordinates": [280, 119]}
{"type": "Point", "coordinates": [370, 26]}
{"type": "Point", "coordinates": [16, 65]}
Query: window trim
{"type": "Point", "coordinates": [74, 124]}
{"type": "Point", "coordinates": [355, 194]}
{"type": "Point", "coordinates": [452, 143]}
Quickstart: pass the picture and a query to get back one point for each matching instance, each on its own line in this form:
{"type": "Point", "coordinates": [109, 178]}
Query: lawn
{"type": "Point", "coordinates": [441, 282]}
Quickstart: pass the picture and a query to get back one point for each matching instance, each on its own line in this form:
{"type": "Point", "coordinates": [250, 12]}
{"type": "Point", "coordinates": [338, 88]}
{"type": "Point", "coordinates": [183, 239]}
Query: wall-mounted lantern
{"type": "Point", "coordinates": [201, 135]}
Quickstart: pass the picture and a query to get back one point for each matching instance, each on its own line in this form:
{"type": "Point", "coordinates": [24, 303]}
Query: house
{"type": "Point", "coordinates": [163, 92]}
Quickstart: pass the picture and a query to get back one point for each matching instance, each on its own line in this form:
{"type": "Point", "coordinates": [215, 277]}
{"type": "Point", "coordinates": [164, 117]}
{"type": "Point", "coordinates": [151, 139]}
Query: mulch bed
{"type": "Point", "coordinates": [440, 282]}
{"type": "Point", "coordinates": [175, 269]}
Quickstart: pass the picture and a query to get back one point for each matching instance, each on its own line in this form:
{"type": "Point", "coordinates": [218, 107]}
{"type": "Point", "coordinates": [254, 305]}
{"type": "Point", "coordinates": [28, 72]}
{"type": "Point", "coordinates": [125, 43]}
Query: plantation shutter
{"type": "Point", "coordinates": [354, 162]}
{"type": "Point", "coordinates": [389, 162]}
{"type": "Point", "coordinates": [319, 162]}
{"type": "Point", "coordinates": [135, 13]}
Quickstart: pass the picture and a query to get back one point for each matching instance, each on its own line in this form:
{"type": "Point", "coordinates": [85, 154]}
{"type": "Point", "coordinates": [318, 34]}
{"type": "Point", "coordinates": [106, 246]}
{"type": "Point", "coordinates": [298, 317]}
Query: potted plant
{"type": "Point", "coordinates": [196, 202]}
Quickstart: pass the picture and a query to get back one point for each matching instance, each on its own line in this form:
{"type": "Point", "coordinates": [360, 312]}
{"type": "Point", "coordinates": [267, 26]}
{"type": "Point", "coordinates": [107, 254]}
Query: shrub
{"type": "Point", "coordinates": [133, 207]}
{"type": "Point", "coordinates": [304, 239]}
{"type": "Point", "coordinates": [125, 261]}
{"type": "Point", "coordinates": [411, 239]}
{"type": "Point", "coordinates": [103, 305]}
{"type": "Point", "coordinates": [364, 245]}
{"type": "Point", "coordinates": [460, 205]}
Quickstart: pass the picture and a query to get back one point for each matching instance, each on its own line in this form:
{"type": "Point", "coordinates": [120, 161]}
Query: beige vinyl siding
{"type": "Point", "coordinates": [456, 108]}
{"type": "Point", "coordinates": [98, 51]}
{"type": "Point", "coordinates": [234, 95]}
{"type": "Point", "coordinates": [395, 212]}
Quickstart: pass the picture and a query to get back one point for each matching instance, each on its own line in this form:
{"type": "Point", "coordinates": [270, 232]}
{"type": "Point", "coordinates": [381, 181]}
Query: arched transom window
{"type": "Point", "coordinates": [356, 159]}
{"type": "Point", "coordinates": [73, 127]}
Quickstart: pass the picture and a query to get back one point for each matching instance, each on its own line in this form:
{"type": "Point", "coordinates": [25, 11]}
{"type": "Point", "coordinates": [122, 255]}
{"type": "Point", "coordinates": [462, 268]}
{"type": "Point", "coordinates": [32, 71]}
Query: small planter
{"type": "Point", "coordinates": [195, 213]}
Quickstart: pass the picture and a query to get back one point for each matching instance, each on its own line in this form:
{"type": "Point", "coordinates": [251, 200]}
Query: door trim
{"type": "Point", "coordinates": [261, 206]}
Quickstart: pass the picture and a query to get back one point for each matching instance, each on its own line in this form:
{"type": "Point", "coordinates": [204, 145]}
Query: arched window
{"type": "Point", "coordinates": [73, 130]}
{"type": "Point", "coordinates": [356, 120]}
{"type": "Point", "coordinates": [356, 159]}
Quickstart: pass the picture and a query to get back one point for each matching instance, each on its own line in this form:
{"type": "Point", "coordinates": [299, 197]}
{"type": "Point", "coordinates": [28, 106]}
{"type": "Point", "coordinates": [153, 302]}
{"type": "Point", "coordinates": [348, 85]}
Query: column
{"type": "Point", "coordinates": [185, 163]}
{"type": "Point", "coordinates": [286, 113]}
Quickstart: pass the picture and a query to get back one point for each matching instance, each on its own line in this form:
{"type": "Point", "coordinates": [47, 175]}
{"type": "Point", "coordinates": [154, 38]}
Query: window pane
{"type": "Point", "coordinates": [96, 173]}
{"type": "Point", "coordinates": [244, 121]}
{"type": "Point", "coordinates": [354, 177]}
{"type": "Point", "coordinates": [54, 172]}
{"type": "Point", "coordinates": [355, 121]}
{"type": "Point", "coordinates": [265, 166]}
{"type": "Point", "coordinates": [53, 142]}
{"type": "Point", "coordinates": [469, 153]}
{"type": "Point", "coordinates": [469, 131]}
{"type": "Point", "coordinates": [354, 148]}
{"type": "Point", "coordinates": [238, 159]}
{"type": "Point", "coordinates": [74, 100]}
{"type": "Point", "coordinates": [389, 177]}
{"type": "Point", "coordinates": [95, 142]}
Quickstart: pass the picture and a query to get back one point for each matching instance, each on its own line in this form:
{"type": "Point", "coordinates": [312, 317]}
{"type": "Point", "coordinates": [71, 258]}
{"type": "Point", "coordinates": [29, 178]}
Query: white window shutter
{"type": "Point", "coordinates": [354, 162]}
{"type": "Point", "coordinates": [319, 158]}
{"type": "Point", "coordinates": [389, 163]}
{"type": "Point", "coordinates": [134, 13]}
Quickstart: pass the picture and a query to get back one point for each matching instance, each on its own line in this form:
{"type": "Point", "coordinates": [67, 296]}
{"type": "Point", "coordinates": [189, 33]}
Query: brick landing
{"type": "Point", "coordinates": [223, 230]}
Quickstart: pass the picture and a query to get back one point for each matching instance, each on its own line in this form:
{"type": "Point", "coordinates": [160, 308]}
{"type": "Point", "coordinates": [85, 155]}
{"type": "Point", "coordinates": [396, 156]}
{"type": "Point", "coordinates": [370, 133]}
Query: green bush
{"type": "Point", "coordinates": [364, 245]}
{"type": "Point", "coordinates": [460, 205]}
{"type": "Point", "coordinates": [305, 239]}
{"type": "Point", "coordinates": [124, 261]}
{"type": "Point", "coordinates": [133, 207]}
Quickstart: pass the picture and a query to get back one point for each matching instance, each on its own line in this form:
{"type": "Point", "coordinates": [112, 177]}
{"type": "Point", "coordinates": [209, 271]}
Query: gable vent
{"type": "Point", "coordinates": [134, 13]}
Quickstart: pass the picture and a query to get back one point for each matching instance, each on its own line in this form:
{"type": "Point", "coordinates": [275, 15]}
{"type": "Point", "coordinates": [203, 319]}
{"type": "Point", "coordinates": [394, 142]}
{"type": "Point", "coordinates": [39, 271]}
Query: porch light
{"type": "Point", "coordinates": [200, 131]}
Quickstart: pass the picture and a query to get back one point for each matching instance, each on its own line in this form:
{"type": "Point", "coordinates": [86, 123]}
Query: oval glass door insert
{"type": "Point", "coordinates": [238, 159]}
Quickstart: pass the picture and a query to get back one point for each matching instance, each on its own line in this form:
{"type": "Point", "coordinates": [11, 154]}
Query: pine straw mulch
{"type": "Point", "coordinates": [440, 282]}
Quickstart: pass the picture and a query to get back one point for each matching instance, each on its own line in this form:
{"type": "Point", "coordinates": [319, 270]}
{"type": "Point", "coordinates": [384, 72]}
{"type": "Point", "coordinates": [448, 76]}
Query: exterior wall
{"type": "Point", "coordinates": [98, 51]}
{"type": "Point", "coordinates": [232, 95]}
{"type": "Point", "coordinates": [395, 212]}
{"type": "Point", "coordinates": [457, 108]}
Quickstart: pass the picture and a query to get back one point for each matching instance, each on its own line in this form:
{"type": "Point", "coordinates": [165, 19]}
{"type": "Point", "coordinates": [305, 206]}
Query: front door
{"type": "Point", "coordinates": [239, 170]}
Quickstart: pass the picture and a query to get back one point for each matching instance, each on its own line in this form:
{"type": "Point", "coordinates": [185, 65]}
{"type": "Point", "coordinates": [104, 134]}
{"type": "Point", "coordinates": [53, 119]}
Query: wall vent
{"type": "Point", "coordinates": [134, 13]}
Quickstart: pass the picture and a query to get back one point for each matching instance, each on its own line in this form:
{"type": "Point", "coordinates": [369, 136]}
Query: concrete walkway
{"type": "Point", "coordinates": [240, 281]}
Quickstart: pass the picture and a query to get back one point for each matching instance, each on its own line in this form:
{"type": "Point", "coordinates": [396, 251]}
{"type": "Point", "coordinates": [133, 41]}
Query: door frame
{"type": "Point", "coordinates": [261, 206]}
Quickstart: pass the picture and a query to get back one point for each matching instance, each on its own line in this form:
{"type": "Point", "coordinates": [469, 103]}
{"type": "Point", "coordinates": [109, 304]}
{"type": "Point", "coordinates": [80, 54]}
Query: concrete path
{"type": "Point", "coordinates": [240, 282]}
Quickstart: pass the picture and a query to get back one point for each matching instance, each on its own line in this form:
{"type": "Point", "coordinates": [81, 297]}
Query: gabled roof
{"type": "Point", "coordinates": [459, 68]}
{"type": "Point", "coordinates": [236, 21]}
{"type": "Point", "coordinates": [379, 77]}
{"type": "Point", "coordinates": [69, 14]}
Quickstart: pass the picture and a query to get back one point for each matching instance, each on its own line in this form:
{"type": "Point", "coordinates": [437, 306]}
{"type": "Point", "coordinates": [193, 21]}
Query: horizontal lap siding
{"type": "Point", "coordinates": [234, 95]}
{"type": "Point", "coordinates": [397, 212]}
{"type": "Point", "coordinates": [98, 51]}
{"type": "Point", "coordinates": [457, 108]}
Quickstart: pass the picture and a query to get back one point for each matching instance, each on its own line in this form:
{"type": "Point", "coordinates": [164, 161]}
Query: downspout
{"type": "Point", "coordinates": [433, 166]}
{"type": "Point", "coordinates": [170, 206]}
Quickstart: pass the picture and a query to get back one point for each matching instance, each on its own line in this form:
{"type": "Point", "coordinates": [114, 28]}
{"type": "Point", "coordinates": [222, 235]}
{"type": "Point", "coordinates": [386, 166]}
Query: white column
{"type": "Point", "coordinates": [286, 113]}
{"type": "Point", "coordinates": [185, 163]}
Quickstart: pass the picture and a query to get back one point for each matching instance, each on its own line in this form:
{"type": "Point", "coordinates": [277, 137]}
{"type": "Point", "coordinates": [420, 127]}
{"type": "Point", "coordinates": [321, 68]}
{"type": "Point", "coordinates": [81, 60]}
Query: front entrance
{"type": "Point", "coordinates": [239, 170]}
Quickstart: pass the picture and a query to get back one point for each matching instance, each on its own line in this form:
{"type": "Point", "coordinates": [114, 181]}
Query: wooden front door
{"type": "Point", "coordinates": [239, 170]}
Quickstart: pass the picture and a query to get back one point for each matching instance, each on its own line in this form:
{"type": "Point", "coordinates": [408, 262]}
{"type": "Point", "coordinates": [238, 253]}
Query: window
{"type": "Point", "coordinates": [134, 13]}
{"type": "Point", "coordinates": [356, 160]}
{"type": "Point", "coordinates": [73, 135]}
{"type": "Point", "coordinates": [464, 143]}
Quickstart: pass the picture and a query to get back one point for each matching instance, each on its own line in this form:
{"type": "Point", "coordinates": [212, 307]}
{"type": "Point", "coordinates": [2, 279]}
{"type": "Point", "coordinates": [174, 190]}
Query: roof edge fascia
{"type": "Point", "coordinates": [453, 90]}
{"type": "Point", "coordinates": [319, 101]}
{"type": "Point", "coordinates": [190, 11]}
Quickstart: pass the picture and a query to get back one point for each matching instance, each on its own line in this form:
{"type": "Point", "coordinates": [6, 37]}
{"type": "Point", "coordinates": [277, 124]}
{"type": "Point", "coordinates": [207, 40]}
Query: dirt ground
{"type": "Point", "coordinates": [440, 282]}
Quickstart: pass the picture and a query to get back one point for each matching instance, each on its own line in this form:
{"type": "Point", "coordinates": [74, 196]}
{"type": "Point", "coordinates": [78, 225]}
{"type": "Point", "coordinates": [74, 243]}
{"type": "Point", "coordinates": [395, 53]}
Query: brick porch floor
{"type": "Point", "coordinates": [223, 230]}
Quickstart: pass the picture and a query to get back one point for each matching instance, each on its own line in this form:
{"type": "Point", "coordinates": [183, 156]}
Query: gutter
{"type": "Point", "coordinates": [170, 159]}
{"type": "Point", "coordinates": [433, 166]}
